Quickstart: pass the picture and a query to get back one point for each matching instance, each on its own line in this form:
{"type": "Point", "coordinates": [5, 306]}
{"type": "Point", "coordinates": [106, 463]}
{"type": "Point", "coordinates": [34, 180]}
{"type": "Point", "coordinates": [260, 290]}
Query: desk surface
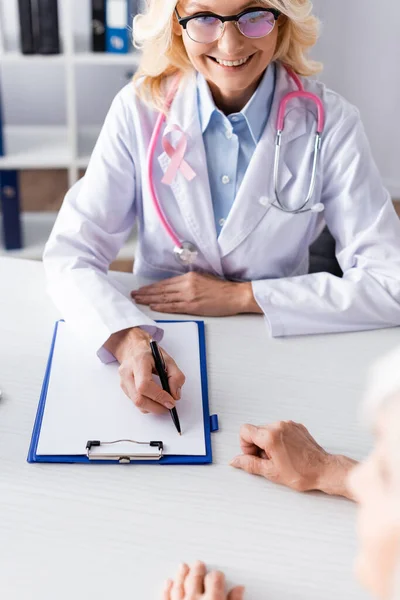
{"type": "Point", "coordinates": [75, 531]}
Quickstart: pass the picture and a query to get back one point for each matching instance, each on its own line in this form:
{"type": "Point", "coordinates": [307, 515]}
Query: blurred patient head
{"type": "Point", "coordinates": [376, 485]}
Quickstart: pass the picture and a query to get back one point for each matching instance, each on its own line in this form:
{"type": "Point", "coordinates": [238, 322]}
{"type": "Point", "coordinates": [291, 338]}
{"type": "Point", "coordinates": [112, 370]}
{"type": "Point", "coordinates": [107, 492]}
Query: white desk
{"type": "Point", "coordinates": [115, 532]}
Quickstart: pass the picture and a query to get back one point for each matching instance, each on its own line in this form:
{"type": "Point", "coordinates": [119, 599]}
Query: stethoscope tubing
{"type": "Point", "coordinates": [280, 205]}
{"type": "Point", "coordinates": [301, 93]}
{"type": "Point", "coordinates": [150, 156]}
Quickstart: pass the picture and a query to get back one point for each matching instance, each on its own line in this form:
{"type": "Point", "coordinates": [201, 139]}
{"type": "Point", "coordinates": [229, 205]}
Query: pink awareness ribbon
{"type": "Point", "coordinates": [177, 157]}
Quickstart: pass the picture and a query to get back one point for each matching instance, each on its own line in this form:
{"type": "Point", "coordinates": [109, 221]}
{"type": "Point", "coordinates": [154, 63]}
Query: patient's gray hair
{"type": "Point", "coordinates": [383, 389]}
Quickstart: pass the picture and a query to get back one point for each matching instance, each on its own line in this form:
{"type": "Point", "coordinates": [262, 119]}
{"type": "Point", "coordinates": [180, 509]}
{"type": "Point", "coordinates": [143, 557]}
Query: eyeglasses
{"type": "Point", "coordinates": [206, 27]}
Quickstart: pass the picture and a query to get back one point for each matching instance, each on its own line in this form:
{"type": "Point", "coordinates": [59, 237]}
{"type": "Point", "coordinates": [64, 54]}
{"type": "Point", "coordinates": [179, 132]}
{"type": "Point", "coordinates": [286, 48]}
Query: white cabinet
{"type": "Point", "coordinates": [44, 146]}
{"type": "Point", "coordinates": [53, 107]}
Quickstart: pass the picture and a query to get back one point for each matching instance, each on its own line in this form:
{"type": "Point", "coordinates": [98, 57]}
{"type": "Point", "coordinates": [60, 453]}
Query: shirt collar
{"type": "Point", "coordinates": [259, 104]}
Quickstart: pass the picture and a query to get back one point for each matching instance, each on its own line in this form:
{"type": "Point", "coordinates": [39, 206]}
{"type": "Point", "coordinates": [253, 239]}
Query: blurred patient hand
{"type": "Point", "coordinates": [194, 583]}
{"type": "Point", "coordinates": [286, 453]}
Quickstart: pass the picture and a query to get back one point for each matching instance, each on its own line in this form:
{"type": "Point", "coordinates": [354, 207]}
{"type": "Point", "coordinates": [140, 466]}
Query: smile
{"type": "Point", "coordinates": [231, 63]}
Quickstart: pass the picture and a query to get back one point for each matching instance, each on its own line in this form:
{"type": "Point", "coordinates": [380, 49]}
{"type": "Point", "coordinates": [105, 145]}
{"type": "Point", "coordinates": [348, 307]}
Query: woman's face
{"type": "Point", "coordinates": [230, 81]}
{"type": "Point", "coordinates": [376, 485]}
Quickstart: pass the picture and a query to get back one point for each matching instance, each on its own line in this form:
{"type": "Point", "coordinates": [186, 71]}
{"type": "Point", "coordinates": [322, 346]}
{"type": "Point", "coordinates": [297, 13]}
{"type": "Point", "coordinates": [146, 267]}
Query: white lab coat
{"type": "Point", "coordinates": [258, 243]}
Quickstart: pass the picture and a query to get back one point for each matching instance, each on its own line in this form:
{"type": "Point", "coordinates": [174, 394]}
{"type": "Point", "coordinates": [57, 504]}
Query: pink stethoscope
{"type": "Point", "coordinates": [185, 252]}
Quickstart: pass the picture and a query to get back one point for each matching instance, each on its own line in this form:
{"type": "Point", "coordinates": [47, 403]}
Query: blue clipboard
{"type": "Point", "coordinates": [210, 422]}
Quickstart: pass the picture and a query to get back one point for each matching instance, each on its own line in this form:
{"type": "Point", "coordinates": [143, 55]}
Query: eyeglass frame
{"type": "Point", "coordinates": [183, 21]}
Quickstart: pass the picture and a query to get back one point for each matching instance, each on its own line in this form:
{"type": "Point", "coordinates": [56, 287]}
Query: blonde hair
{"type": "Point", "coordinates": [164, 54]}
{"type": "Point", "coordinates": [383, 389]}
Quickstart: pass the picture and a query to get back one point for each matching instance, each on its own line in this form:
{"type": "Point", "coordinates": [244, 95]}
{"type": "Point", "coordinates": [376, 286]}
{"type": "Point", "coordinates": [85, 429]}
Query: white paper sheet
{"type": "Point", "coordinates": [85, 402]}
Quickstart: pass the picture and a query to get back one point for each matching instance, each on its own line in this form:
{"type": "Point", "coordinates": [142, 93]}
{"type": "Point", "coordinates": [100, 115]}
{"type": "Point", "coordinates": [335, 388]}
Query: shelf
{"type": "Point", "coordinates": [83, 55]}
{"type": "Point", "coordinates": [19, 58]}
{"type": "Point", "coordinates": [66, 145]}
{"type": "Point", "coordinates": [36, 147]}
{"type": "Point", "coordinates": [80, 58]}
{"type": "Point", "coordinates": [33, 147]}
{"type": "Point", "coordinates": [106, 58]}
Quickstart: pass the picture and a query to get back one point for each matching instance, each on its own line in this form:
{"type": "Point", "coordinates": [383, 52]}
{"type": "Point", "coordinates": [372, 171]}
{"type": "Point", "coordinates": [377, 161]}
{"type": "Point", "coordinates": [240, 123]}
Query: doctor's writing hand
{"type": "Point", "coordinates": [198, 294]}
{"type": "Point", "coordinates": [131, 348]}
{"type": "Point", "coordinates": [286, 453]}
{"type": "Point", "coordinates": [194, 583]}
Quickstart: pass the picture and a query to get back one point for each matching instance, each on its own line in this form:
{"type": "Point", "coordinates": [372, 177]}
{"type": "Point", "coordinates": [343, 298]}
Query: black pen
{"type": "Point", "coordinates": [162, 373]}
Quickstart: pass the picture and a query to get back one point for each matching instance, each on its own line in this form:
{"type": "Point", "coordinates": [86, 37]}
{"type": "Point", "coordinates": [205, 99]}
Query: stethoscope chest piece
{"type": "Point", "coordinates": [186, 254]}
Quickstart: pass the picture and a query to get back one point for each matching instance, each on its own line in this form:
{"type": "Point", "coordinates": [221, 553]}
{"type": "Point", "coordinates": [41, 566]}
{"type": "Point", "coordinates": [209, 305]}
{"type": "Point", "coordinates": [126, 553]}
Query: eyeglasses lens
{"type": "Point", "coordinates": [204, 30]}
{"type": "Point", "coordinates": [256, 24]}
{"type": "Point", "coordinates": [208, 29]}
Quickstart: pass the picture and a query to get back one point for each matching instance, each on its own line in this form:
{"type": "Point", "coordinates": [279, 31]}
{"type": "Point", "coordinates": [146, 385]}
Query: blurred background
{"type": "Point", "coordinates": [60, 71]}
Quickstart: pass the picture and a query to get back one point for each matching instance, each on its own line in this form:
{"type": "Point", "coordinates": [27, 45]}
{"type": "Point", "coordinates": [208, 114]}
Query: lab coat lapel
{"type": "Point", "coordinates": [193, 197]}
{"type": "Point", "coordinates": [257, 190]}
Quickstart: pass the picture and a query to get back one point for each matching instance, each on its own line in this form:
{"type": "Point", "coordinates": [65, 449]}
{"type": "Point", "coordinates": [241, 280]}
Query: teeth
{"type": "Point", "coordinates": [232, 63]}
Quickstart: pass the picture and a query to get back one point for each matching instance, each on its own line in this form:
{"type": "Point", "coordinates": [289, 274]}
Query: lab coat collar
{"type": "Point", "coordinates": [205, 101]}
{"type": "Point", "coordinates": [256, 111]}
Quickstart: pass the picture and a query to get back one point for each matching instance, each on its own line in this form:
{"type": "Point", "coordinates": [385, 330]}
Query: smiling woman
{"type": "Point", "coordinates": [166, 52]}
{"type": "Point", "coordinates": [224, 228]}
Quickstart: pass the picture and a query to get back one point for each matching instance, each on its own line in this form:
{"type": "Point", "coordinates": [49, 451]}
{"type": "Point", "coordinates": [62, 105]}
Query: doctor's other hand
{"type": "Point", "coordinates": [198, 294]}
{"type": "Point", "coordinates": [131, 347]}
{"type": "Point", "coordinates": [286, 453]}
{"type": "Point", "coordinates": [194, 583]}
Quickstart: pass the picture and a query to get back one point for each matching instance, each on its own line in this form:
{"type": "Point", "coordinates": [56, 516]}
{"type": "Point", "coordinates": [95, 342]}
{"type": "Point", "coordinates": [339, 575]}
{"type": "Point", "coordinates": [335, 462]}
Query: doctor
{"type": "Point", "coordinates": [226, 207]}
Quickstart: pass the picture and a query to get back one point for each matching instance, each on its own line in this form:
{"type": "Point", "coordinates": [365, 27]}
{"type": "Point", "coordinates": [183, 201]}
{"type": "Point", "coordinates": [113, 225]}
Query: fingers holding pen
{"type": "Point", "coordinates": [136, 375]}
{"type": "Point", "coordinates": [146, 395]}
{"type": "Point", "coordinates": [132, 348]}
{"type": "Point", "coordinates": [176, 378]}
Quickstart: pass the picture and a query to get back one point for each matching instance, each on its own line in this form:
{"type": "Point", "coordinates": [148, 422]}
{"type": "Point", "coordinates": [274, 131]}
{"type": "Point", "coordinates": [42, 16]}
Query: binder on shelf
{"type": "Point", "coordinates": [27, 41]}
{"type": "Point", "coordinates": [10, 207]}
{"type": "Point", "coordinates": [117, 31]}
{"type": "Point", "coordinates": [99, 25]}
{"type": "Point", "coordinates": [84, 417]}
{"type": "Point", "coordinates": [45, 26]}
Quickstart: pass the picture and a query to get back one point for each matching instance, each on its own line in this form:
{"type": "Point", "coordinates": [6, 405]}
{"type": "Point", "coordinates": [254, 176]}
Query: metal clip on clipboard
{"type": "Point", "coordinates": [123, 458]}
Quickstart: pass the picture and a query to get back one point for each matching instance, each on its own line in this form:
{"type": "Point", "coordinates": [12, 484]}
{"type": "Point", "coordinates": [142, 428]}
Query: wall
{"type": "Point", "coordinates": [360, 47]}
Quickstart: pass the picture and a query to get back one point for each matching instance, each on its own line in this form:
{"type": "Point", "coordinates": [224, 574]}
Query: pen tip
{"type": "Point", "coordinates": [180, 433]}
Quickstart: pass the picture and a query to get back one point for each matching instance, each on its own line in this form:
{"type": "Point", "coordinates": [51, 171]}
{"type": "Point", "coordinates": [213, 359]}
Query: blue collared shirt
{"type": "Point", "coordinates": [230, 140]}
